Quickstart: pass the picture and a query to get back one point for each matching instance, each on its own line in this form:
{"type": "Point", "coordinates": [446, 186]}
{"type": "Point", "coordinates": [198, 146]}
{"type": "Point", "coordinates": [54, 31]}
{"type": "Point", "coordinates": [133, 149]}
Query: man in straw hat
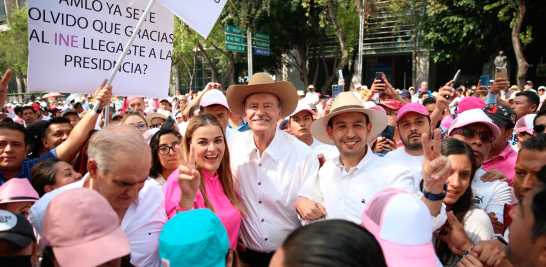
{"type": "Point", "coordinates": [346, 183]}
{"type": "Point", "coordinates": [270, 165]}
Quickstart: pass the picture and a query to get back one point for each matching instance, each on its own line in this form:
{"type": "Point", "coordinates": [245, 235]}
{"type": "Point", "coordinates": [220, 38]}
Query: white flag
{"type": "Point", "coordinates": [200, 15]}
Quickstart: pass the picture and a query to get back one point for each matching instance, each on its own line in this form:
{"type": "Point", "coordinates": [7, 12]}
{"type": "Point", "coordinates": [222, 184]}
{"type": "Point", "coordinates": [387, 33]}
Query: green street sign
{"type": "Point", "coordinates": [235, 48]}
{"type": "Point", "coordinates": [261, 44]}
{"type": "Point", "coordinates": [234, 30]}
{"type": "Point", "coordinates": [235, 39]}
{"type": "Point", "coordinates": [262, 36]}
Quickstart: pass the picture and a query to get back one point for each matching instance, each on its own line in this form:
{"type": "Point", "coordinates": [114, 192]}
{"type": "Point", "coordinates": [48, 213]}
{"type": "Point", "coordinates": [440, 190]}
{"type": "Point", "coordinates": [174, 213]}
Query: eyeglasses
{"type": "Point", "coordinates": [539, 128]}
{"type": "Point", "coordinates": [468, 133]}
{"type": "Point", "coordinates": [156, 125]}
{"type": "Point", "coordinates": [164, 149]}
{"type": "Point", "coordinates": [141, 127]}
{"type": "Point", "coordinates": [392, 113]}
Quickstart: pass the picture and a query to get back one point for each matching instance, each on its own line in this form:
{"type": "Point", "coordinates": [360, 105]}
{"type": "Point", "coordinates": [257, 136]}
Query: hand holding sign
{"type": "Point", "coordinates": [103, 94]}
{"type": "Point", "coordinates": [189, 179]}
{"type": "Point", "coordinates": [4, 86]}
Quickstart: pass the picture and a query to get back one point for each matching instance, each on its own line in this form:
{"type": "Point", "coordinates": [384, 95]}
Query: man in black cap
{"type": "Point", "coordinates": [72, 116]}
{"type": "Point", "coordinates": [405, 95]}
{"type": "Point", "coordinates": [529, 87]}
{"type": "Point", "coordinates": [18, 245]}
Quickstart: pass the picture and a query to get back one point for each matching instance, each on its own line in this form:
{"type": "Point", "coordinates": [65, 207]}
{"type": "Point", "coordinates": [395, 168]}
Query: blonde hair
{"type": "Point", "coordinates": [224, 170]}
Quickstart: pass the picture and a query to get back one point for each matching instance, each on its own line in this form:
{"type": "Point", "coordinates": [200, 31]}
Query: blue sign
{"type": "Point", "coordinates": [261, 51]}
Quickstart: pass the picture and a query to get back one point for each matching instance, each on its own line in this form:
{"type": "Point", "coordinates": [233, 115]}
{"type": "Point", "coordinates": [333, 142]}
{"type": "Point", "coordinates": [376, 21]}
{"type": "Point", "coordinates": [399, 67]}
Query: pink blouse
{"type": "Point", "coordinates": [229, 215]}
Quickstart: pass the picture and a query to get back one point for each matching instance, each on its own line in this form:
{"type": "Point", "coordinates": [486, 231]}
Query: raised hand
{"type": "Point", "coordinates": [436, 168]}
{"type": "Point", "coordinates": [499, 84]}
{"type": "Point", "coordinates": [447, 90]}
{"type": "Point", "coordinates": [456, 237]}
{"type": "Point", "coordinates": [189, 179]}
{"type": "Point", "coordinates": [4, 86]}
{"type": "Point", "coordinates": [103, 94]}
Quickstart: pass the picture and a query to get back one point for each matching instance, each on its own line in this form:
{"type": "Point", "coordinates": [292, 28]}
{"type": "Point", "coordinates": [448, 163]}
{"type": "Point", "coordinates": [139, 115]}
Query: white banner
{"type": "Point", "coordinates": [74, 45]}
{"type": "Point", "coordinates": [200, 15]}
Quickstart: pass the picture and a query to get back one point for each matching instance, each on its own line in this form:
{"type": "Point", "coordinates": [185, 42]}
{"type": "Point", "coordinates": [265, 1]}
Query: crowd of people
{"type": "Point", "coordinates": [263, 174]}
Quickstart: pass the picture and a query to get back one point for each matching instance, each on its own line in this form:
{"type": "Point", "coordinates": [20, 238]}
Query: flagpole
{"type": "Point", "coordinates": [120, 60]}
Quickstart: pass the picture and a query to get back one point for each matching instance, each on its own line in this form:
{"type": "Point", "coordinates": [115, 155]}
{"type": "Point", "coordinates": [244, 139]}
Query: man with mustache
{"type": "Point", "coordinates": [269, 165]}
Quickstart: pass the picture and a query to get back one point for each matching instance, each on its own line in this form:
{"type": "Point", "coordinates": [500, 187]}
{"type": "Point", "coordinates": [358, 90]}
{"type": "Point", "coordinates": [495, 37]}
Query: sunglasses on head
{"type": "Point", "coordinates": [468, 133]}
{"type": "Point", "coordinates": [539, 128]}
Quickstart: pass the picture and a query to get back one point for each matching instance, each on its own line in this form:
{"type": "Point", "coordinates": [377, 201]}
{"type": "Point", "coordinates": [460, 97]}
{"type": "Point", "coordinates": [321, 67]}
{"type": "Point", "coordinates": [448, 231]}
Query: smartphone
{"type": "Point", "coordinates": [484, 80]}
{"type": "Point", "coordinates": [336, 89]}
{"type": "Point", "coordinates": [340, 74]}
{"type": "Point", "coordinates": [168, 123]}
{"type": "Point", "coordinates": [455, 78]}
{"type": "Point", "coordinates": [388, 133]}
{"type": "Point", "coordinates": [502, 72]}
{"type": "Point", "coordinates": [379, 76]}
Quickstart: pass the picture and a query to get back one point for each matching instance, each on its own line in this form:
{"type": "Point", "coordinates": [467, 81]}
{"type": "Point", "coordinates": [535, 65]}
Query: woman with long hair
{"type": "Point", "coordinates": [164, 155]}
{"type": "Point", "coordinates": [205, 179]}
{"type": "Point", "coordinates": [52, 173]}
{"type": "Point", "coordinates": [458, 200]}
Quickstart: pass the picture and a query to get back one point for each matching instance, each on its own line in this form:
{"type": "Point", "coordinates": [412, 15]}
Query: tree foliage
{"type": "Point", "coordinates": [14, 43]}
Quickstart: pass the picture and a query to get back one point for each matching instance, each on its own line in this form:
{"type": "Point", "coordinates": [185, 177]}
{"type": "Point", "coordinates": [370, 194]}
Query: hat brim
{"type": "Point", "coordinates": [285, 91]}
{"type": "Point", "coordinates": [401, 115]}
{"type": "Point", "coordinates": [17, 239]}
{"type": "Point", "coordinates": [408, 255]}
{"type": "Point", "coordinates": [152, 116]}
{"type": "Point", "coordinates": [494, 128]}
{"type": "Point", "coordinates": [377, 119]}
{"type": "Point", "coordinates": [18, 199]}
{"type": "Point", "coordinates": [94, 253]}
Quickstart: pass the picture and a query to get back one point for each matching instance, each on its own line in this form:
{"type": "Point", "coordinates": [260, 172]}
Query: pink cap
{"type": "Point", "coordinates": [83, 229]}
{"type": "Point", "coordinates": [401, 224]}
{"type": "Point", "coordinates": [214, 97]}
{"type": "Point", "coordinates": [469, 103]}
{"type": "Point", "coordinates": [474, 116]}
{"type": "Point", "coordinates": [525, 124]}
{"type": "Point", "coordinates": [301, 107]}
{"type": "Point", "coordinates": [372, 105]}
{"type": "Point", "coordinates": [17, 190]}
{"type": "Point", "coordinates": [446, 122]}
{"type": "Point", "coordinates": [422, 90]}
{"type": "Point", "coordinates": [412, 107]}
{"type": "Point", "coordinates": [130, 98]}
{"type": "Point", "coordinates": [392, 104]}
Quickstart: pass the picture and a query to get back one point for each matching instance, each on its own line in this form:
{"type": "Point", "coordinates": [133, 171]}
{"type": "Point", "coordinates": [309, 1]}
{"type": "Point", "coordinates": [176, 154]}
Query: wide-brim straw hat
{"type": "Point", "coordinates": [344, 103]}
{"type": "Point", "coordinates": [262, 83]}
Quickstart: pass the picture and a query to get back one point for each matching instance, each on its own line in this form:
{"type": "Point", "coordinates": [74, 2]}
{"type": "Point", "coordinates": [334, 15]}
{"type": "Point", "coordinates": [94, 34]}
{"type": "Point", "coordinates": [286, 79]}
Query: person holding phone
{"type": "Point", "coordinates": [384, 86]}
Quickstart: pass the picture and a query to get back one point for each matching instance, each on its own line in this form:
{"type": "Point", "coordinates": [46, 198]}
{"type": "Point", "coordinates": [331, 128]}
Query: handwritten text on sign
{"type": "Point", "coordinates": [74, 45]}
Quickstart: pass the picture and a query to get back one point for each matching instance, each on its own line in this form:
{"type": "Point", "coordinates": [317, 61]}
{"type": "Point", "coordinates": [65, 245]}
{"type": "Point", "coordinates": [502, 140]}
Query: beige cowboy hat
{"type": "Point", "coordinates": [262, 83]}
{"type": "Point", "coordinates": [347, 102]}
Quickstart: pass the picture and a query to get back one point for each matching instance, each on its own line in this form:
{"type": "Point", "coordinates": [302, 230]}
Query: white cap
{"type": "Point", "coordinates": [214, 97]}
{"type": "Point", "coordinates": [301, 107]}
{"type": "Point", "coordinates": [178, 115]}
{"type": "Point", "coordinates": [472, 116]}
{"type": "Point", "coordinates": [301, 93]}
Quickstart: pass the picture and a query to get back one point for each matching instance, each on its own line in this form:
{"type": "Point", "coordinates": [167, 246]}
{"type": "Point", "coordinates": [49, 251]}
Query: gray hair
{"type": "Point", "coordinates": [117, 142]}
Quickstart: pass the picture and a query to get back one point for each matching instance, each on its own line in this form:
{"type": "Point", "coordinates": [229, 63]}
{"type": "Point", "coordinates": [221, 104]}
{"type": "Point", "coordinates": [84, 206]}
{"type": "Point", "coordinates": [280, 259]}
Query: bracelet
{"type": "Point", "coordinates": [466, 252]}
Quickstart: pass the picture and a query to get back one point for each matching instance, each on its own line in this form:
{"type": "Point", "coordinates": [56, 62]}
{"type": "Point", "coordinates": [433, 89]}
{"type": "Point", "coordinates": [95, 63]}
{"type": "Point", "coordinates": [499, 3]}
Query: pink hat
{"type": "Point", "coordinates": [301, 107]}
{"type": "Point", "coordinates": [412, 107]}
{"type": "Point", "coordinates": [17, 190]}
{"type": "Point", "coordinates": [372, 105]}
{"type": "Point", "coordinates": [446, 122]}
{"type": "Point", "coordinates": [474, 116]}
{"type": "Point", "coordinates": [422, 90]}
{"type": "Point", "coordinates": [83, 229]}
{"type": "Point", "coordinates": [401, 224]}
{"type": "Point", "coordinates": [525, 124]}
{"type": "Point", "coordinates": [214, 97]}
{"type": "Point", "coordinates": [469, 103]}
{"type": "Point", "coordinates": [392, 104]}
{"type": "Point", "coordinates": [130, 98]}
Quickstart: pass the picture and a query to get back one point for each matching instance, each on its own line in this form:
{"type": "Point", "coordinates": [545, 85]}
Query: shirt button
{"type": "Point", "coordinates": [260, 202]}
{"type": "Point", "coordinates": [260, 165]}
{"type": "Point", "coordinates": [263, 220]}
{"type": "Point", "coordinates": [259, 183]}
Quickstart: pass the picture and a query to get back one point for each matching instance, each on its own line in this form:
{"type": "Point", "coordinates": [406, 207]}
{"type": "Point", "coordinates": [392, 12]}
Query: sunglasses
{"type": "Point", "coordinates": [468, 133]}
{"type": "Point", "coordinates": [539, 128]}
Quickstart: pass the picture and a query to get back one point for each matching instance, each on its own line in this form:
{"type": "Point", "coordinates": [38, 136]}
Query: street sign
{"type": "Point", "coordinates": [235, 39]}
{"type": "Point", "coordinates": [261, 51]}
{"type": "Point", "coordinates": [262, 44]}
{"type": "Point", "coordinates": [235, 30]}
{"type": "Point", "coordinates": [235, 48]}
{"type": "Point", "coordinates": [262, 36]}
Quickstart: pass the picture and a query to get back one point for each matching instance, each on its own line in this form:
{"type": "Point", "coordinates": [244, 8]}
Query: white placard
{"type": "Point", "coordinates": [74, 45]}
{"type": "Point", "coordinates": [200, 15]}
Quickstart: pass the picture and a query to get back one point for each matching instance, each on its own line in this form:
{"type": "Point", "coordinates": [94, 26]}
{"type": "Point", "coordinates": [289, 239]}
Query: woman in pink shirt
{"type": "Point", "coordinates": [205, 179]}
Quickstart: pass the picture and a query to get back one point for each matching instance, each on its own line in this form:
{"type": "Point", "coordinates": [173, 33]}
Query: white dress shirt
{"type": "Point", "coordinates": [311, 98]}
{"type": "Point", "coordinates": [414, 163]}
{"type": "Point", "coordinates": [142, 222]}
{"type": "Point", "coordinates": [344, 194]}
{"type": "Point", "coordinates": [490, 196]}
{"type": "Point", "coordinates": [269, 185]}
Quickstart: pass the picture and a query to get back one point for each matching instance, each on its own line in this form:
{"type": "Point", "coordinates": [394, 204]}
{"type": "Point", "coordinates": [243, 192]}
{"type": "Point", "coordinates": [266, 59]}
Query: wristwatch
{"type": "Point", "coordinates": [435, 197]}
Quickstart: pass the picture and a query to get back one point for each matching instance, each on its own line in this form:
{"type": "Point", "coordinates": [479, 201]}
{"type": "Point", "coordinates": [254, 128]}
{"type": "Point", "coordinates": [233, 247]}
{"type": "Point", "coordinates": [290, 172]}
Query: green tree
{"type": "Point", "coordinates": [14, 46]}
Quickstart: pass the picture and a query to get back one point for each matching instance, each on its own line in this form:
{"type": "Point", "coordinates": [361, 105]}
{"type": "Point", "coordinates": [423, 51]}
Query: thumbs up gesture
{"type": "Point", "coordinates": [189, 179]}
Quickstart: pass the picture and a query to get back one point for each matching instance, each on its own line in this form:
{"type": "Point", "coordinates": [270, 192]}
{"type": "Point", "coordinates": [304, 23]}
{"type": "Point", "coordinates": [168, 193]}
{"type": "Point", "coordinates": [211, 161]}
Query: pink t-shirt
{"type": "Point", "coordinates": [229, 215]}
{"type": "Point", "coordinates": [504, 162]}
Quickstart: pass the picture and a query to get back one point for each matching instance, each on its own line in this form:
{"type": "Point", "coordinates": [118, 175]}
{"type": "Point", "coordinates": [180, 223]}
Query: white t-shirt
{"type": "Point", "coordinates": [311, 98]}
{"type": "Point", "coordinates": [182, 127]}
{"type": "Point", "coordinates": [316, 143]}
{"type": "Point", "coordinates": [515, 148]}
{"type": "Point", "coordinates": [490, 196]}
{"type": "Point", "coordinates": [414, 163]}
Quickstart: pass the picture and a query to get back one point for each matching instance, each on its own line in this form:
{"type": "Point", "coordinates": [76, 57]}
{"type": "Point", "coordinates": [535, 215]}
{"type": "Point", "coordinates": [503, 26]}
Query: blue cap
{"type": "Point", "coordinates": [194, 238]}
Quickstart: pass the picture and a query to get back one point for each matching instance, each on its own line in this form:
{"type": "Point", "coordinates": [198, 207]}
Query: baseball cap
{"type": "Point", "coordinates": [164, 99]}
{"type": "Point", "coordinates": [529, 82]}
{"type": "Point", "coordinates": [500, 114]}
{"type": "Point", "coordinates": [35, 106]}
{"type": "Point", "coordinates": [301, 93]}
{"type": "Point", "coordinates": [405, 94]}
{"type": "Point", "coordinates": [35, 133]}
{"type": "Point", "coordinates": [69, 111]}
{"type": "Point", "coordinates": [392, 104]}
{"type": "Point", "coordinates": [473, 116]}
{"type": "Point", "coordinates": [16, 229]}
{"type": "Point", "coordinates": [117, 115]}
{"type": "Point", "coordinates": [525, 124]}
{"type": "Point", "coordinates": [401, 224]}
{"type": "Point", "coordinates": [178, 115]}
{"type": "Point", "coordinates": [207, 243]}
{"type": "Point", "coordinates": [541, 88]}
{"type": "Point", "coordinates": [459, 89]}
{"type": "Point", "coordinates": [214, 97]}
{"type": "Point", "coordinates": [83, 229]}
{"type": "Point", "coordinates": [412, 107]}
{"type": "Point", "coordinates": [301, 107]}
{"type": "Point", "coordinates": [422, 90]}
{"type": "Point", "coordinates": [470, 102]}
{"type": "Point", "coordinates": [17, 190]}
{"type": "Point", "coordinates": [282, 124]}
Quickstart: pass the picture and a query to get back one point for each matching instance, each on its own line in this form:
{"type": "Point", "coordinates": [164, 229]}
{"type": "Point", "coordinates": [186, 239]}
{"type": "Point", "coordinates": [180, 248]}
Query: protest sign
{"type": "Point", "coordinates": [74, 45]}
{"type": "Point", "coordinates": [200, 15]}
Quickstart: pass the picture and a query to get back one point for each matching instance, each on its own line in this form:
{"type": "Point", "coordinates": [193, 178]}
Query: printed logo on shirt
{"type": "Point", "coordinates": [363, 201]}
{"type": "Point", "coordinates": [165, 263]}
{"type": "Point", "coordinates": [477, 200]}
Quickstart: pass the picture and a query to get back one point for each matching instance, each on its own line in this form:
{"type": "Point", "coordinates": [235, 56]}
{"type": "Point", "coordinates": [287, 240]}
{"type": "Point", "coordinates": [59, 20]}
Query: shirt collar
{"type": "Point", "coordinates": [370, 156]}
{"type": "Point", "coordinates": [504, 153]}
{"type": "Point", "coordinates": [273, 150]}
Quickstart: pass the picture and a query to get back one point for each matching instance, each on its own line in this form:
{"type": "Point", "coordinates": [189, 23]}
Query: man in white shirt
{"type": "Point", "coordinates": [269, 165]}
{"type": "Point", "coordinates": [299, 123]}
{"type": "Point", "coordinates": [311, 97]}
{"type": "Point", "coordinates": [346, 183]}
{"type": "Point", "coordinates": [139, 205]}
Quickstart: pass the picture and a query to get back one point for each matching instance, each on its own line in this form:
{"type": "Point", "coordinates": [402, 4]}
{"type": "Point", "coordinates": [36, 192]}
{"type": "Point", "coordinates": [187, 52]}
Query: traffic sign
{"type": "Point", "coordinates": [235, 48]}
{"type": "Point", "coordinates": [234, 30]}
{"type": "Point", "coordinates": [262, 36]}
{"type": "Point", "coordinates": [235, 39]}
{"type": "Point", "coordinates": [261, 51]}
{"type": "Point", "coordinates": [262, 44]}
